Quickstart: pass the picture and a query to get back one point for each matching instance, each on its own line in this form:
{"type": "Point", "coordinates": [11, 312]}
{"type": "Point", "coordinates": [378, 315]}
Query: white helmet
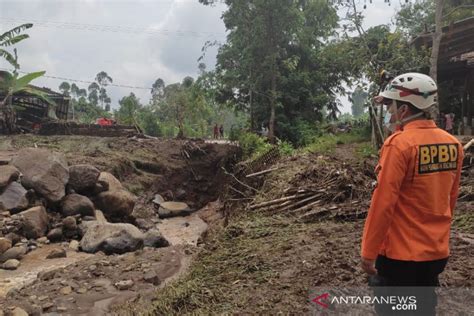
{"type": "Point", "coordinates": [418, 89]}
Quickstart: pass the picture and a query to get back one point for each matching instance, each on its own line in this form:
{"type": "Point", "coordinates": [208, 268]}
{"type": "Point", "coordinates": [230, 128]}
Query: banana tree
{"type": "Point", "coordinates": [11, 84]}
{"type": "Point", "coordinates": [10, 38]}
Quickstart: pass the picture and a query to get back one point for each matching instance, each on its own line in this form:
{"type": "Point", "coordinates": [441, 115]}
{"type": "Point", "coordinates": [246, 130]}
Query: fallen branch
{"type": "Point", "coordinates": [469, 144]}
{"type": "Point", "coordinates": [261, 172]}
{"type": "Point", "coordinates": [283, 199]}
{"type": "Point", "coordinates": [240, 182]}
{"type": "Point", "coordinates": [238, 191]}
{"type": "Point", "coordinates": [307, 207]}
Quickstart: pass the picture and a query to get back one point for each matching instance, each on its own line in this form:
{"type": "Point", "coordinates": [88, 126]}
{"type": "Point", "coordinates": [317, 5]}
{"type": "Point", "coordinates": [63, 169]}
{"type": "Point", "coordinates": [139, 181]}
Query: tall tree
{"type": "Point", "coordinates": [358, 99]}
{"type": "Point", "coordinates": [93, 96]}
{"type": "Point", "coordinates": [65, 88]}
{"type": "Point", "coordinates": [103, 80]}
{"type": "Point", "coordinates": [128, 110]}
{"type": "Point", "coordinates": [270, 66]}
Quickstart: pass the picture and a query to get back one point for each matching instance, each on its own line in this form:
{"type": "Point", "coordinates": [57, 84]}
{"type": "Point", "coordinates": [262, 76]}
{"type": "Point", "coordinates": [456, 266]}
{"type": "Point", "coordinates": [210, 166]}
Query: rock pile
{"type": "Point", "coordinates": [44, 200]}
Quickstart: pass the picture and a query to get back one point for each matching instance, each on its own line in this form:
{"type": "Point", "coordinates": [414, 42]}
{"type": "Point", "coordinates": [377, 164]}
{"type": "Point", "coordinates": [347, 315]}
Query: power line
{"type": "Point", "coordinates": [84, 81]}
{"type": "Point", "coordinates": [111, 28]}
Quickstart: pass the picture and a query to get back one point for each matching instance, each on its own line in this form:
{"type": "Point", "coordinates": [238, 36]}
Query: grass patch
{"type": "Point", "coordinates": [238, 257]}
{"type": "Point", "coordinates": [328, 142]}
{"type": "Point", "coordinates": [365, 150]}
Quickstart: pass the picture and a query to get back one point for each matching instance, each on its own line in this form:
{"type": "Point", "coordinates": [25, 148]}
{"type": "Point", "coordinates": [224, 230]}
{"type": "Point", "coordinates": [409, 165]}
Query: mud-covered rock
{"type": "Point", "coordinates": [109, 182]}
{"type": "Point", "coordinates": [57, 253]}
{"type": "Point", "coordinates": [14, 198]}
{"type": "Point", "coordinates": [43, 171]}
{"type": "Point", "coordinates": [5, 244]}
{"type": "Point", "coordinates": [34, 222]}
{"type": "Point", "coordinates": [116, 204]}
{"type": "Point", "coordinates": [55, 234]}
{"type": "Point", "coordinates": [11, 264]}
{"type": "Point", "coordinates": [111, 238]}
{"type": "Point", "coordinates": [83, 177]}
{"type": "Point", "coordinates": [172, 209]}
{"type": "Point", "coordinates": [70, 223]}
{"type": "Point", "coordinates": [8, 174]}
{"type": "Point", "coordinates": [16, 252]}
{"type": "Point", "coordinates": [153, 238]}
{"type": "Point", "coordinates": [15, 238]}
{"type": "Point", "coordinates": [76, 204]}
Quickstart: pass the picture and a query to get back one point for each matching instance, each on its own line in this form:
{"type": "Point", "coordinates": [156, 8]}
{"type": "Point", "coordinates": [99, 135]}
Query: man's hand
{"type": "Point", "coordinates": [368, 265]}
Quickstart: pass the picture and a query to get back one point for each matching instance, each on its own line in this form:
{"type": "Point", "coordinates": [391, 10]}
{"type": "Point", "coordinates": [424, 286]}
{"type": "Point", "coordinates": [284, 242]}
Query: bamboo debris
{"type": "Point", "coordinates": [261, 172]}
{"type": "Point", "coordinates": [283, 199]}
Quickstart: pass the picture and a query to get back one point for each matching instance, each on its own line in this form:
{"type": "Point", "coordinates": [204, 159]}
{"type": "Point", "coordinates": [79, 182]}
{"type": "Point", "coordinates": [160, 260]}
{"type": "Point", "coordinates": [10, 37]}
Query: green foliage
{"type": "Point", "coordinates": [271, 63]}
{"type": "Point", "coordinates": [328, 142]}
{"type": "Point", "coordinates": [149, 122]}
{"type": "Point", "coordinates": [417, 17]}
{"type": "Point", "coordinates": [366, 150]}
{"type": "Point", "coordinates": [253, 145]}
{"type": "Point", "coordinates": [128, 110]}
{"type": "Point", "coordinates": [10, 38]}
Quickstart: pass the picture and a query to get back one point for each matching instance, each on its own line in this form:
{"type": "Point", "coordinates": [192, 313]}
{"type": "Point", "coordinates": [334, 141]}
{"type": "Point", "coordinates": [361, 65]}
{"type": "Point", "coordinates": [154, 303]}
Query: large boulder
{"type": "Point", "coordinates": [111, 238]}
{"type": "Point", "coordinates": [74, 204]}
{"type": "Point", "coordinates": [8, 174]}
{"type": "Point", "coordinates": [44, 171]}
{"type": "Point", "coordinates": [16, 252]}
{"type": "Point", "coordinates": [109, 182]}
{"type": "Point", "coordinates": [83, 177]}
{"type": "Point", "coordinates": [34, 222]}
{"type": "Point", "coordinates": [14, 198]}
{"type": "Point", "coordinates": [5, 244]}
{"type": "Point", "coordinates": [116, 204]}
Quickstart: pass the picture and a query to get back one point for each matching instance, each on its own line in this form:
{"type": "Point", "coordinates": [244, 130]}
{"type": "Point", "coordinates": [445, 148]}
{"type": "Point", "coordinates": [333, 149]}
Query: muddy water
{"type": "Point", "coordinates": [34, 263]}
{"type": "Point", "coordinates": [93, 291]}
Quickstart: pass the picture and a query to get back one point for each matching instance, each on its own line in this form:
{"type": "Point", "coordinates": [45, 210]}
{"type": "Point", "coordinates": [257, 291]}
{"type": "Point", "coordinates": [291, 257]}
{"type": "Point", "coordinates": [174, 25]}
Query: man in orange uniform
{"type": "Point", "coordinates": [406, 234]}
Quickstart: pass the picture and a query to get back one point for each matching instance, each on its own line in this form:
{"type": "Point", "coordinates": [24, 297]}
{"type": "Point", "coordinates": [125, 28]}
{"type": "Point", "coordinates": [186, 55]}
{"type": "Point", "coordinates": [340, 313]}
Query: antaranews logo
{"type": "Point", "coordinates": [341, 300]}
{"type": "Point", "coordinates": [319, 300]}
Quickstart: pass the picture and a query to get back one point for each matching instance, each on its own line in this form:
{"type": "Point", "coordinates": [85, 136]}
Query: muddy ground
{"type": "Point", "coordinates": [254, 262]}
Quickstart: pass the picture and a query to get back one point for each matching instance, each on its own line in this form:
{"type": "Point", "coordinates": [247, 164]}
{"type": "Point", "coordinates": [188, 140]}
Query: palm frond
{"type": "Point", "coordinates": [13, 40]}
{"type": "Point", "coordinates": [6, 80]}
{"type": "Point", "coordinates": [9, 57]}
{"type": "Point", "coordinates": [15, 31]}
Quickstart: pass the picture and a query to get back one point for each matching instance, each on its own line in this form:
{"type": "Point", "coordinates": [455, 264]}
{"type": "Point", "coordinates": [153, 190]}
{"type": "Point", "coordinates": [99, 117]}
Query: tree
{"type": "Point", "coordinates": [65, 88]}
{"type": "Point", "coordinates": [128, 110]}
{"type": "Point", "coordinates": [157, 90]}
{"type": "Point", "coordinates": [358, 99]}
{"type": "Point", "coordinates": [12, 83]}
{"type": "Point", "coordinates": [10, 38]}
{"type": "Point", "coordinates": [93, 97]}
{"type": "Point", "coordinates": [270, 66]}
{"type": "Point", "coordinates": [103, 80]}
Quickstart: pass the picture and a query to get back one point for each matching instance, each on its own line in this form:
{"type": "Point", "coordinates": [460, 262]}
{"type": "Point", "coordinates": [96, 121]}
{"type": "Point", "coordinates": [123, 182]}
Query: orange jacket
{"type": "Point", "coordinates": [417, 187]}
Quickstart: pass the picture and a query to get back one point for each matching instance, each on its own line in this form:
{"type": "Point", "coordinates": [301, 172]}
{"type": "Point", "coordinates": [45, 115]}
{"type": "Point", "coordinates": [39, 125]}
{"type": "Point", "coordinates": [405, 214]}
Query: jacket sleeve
{"type": "Point", "coordinates": [455, 189]}
{"type": "Point", "coordinates": [393, 167]}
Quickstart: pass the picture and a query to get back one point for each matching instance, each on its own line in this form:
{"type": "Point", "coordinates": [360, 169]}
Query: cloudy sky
{"type": "Point", "coordinates": [134, 41]}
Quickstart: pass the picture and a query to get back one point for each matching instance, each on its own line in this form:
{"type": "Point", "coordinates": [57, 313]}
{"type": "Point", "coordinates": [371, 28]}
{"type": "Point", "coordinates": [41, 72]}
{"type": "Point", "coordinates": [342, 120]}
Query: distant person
{"type": "Point", "coordinates": [216, 131]}
{"type": "Point", "coordinates": [221, 131]}
{"type": "Point", "coordinates": [449, 123]}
